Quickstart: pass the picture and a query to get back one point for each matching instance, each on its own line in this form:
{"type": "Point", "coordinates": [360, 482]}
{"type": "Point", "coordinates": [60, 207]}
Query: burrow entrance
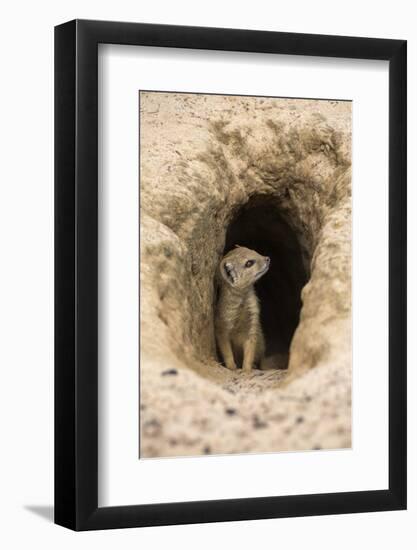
{"type": "Point", "coordinates": [259, 225]}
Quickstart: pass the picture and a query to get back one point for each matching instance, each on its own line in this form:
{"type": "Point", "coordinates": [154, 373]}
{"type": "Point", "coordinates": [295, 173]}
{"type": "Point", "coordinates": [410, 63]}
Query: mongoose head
{"type": "Point", "coordinates": [242, 267]}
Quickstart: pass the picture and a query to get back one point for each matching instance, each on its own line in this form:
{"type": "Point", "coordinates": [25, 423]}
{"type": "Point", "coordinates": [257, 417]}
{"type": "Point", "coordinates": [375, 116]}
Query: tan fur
{"type": "Point", "coordinates": [238, 329]}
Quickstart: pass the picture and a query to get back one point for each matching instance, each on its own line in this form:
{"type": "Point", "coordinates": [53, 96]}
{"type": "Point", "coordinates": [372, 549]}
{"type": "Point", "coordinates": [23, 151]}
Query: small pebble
{"type": "Point", "coordinates": [231, 411]}
{"type": "Point", "coordinates": [257, 423]}
{"type": "Point", "coordinates": [170, 372]}
{"type": "Point", "coordinates": [152, 427]}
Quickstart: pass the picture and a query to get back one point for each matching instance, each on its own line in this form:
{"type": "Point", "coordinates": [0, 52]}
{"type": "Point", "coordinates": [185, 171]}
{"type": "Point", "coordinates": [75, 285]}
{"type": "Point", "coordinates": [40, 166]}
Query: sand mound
{"type": "Point", "coordinates": [274, 173]}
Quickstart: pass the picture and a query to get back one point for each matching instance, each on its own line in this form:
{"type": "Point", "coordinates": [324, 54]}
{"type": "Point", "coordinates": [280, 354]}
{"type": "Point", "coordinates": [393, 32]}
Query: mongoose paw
{"type": "Point", "coordinates": [231, 366]}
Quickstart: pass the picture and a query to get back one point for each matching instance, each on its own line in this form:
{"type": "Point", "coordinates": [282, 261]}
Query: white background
{"type": "Point", "coordinates": [123, 479]}
{"type": "Point", "coordinates": [26, 301]}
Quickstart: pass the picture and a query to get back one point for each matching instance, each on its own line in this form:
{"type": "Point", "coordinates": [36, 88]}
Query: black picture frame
{"type": "Point", "coordinates": [76, 272]}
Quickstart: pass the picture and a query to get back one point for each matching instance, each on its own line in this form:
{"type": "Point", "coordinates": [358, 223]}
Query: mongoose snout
{"type": "Point", "coordinates": [237, 320]}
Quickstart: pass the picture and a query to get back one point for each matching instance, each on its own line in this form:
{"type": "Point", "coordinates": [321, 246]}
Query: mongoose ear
{"type": "Point", "coordinates": [229, 272]}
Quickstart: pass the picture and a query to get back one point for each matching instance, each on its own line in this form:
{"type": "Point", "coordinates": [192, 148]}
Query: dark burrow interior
{"type": "Point", "coordinates": [259, 225]}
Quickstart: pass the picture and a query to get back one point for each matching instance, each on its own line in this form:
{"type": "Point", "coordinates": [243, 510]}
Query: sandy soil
{"type": "Point", "coordinates": [202, 158]}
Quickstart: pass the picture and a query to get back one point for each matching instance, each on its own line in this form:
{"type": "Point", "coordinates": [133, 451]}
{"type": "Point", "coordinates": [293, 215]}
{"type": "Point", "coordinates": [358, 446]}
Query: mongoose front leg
{"type": "Point", "coordinates": [226, 350]}
{"type": "Point", "coordinates": [249, 348]}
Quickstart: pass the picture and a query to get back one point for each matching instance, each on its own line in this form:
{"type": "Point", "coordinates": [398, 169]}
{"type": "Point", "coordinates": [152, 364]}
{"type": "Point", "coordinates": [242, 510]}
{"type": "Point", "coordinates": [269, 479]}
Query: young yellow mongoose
{"type": "Point", "coordinates": [238, 328]}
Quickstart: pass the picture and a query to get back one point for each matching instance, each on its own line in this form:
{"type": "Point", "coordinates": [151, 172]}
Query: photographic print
{"type": "Point", "coordinates": [203, 275]}
{"type": "Point", "coordinates": [245, 274]}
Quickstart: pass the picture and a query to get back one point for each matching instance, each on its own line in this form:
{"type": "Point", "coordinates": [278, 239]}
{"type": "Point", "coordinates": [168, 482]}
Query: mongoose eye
{"type": "Point", "coordinates": [249, 263]}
